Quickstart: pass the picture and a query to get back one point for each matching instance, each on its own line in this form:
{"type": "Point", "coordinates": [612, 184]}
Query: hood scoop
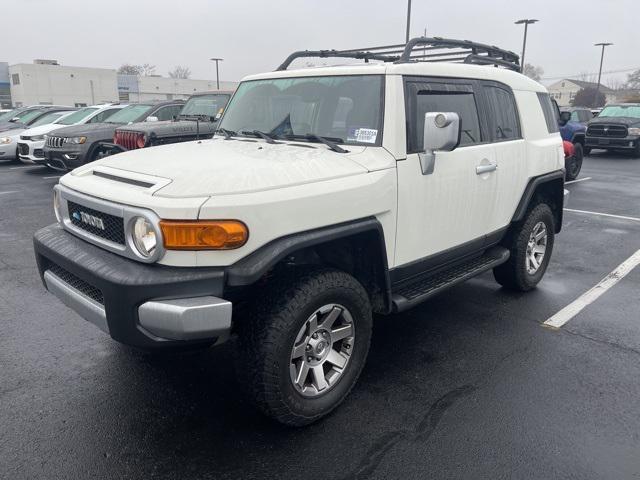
{"type": "Point", "coordinates": [122, 178]}
{"type": "Point", "coordinates": [130, 181]}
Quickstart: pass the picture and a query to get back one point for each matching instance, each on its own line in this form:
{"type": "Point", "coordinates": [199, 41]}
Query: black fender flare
{"type": "Point", "coordinates": [530, 190]}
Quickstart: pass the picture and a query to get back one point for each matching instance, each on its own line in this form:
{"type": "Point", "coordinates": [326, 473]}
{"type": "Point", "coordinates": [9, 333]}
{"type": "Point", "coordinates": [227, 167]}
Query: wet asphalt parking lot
{"type": "Point", "coordinates": [469, 385]}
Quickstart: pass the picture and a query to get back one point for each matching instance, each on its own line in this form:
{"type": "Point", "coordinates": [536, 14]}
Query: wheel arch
{"type": "Point", "coordinates": [356, 247]}
{"type": "Point", "coordinates": [548, 188]}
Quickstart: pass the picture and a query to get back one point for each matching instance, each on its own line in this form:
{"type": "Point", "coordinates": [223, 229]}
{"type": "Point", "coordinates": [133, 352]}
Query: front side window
{"type": "Point", "coordinates": [76, 117]}
{"type": "Point", "coordinates": [129, 114]}
{"type": "Point", "coordinates": [346, 108]}
{"type": "Point", "coordinates": [550, 112]}
{"type": "Point", "coordinates": [204, 105]}
{"type": "Point", "coordinates": [503, 121]}
{"type": "Point", "coordinates": [422, 98]}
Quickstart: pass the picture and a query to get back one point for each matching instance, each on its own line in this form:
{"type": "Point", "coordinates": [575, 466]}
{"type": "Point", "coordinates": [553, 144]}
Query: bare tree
{"type": "Point", "coordinates": [633, 80]}
{"type": "Point", "coordinates": [148, 69]}
{"type": "Point", "coordinates": [180, 72]}
{"type": "Point", "coordinates": [533, 72]}
{"type": "Point", "coordinates": [128, 69]}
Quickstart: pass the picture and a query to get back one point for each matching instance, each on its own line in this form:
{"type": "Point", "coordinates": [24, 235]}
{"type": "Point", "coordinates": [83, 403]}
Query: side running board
{"type": "Point", "coordinates": [423, 287]}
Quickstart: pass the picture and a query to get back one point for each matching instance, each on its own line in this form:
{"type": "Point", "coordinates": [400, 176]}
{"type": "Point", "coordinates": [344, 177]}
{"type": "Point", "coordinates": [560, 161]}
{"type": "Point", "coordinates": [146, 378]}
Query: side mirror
{"type": "Point", "coordinates": [441, 133]}
{"type": "Point", "coordinates": [564, 118]}
{"type": "Point", "coordinates": [151, 119]}
{"type": "Point", "coordinates": [15, 119]}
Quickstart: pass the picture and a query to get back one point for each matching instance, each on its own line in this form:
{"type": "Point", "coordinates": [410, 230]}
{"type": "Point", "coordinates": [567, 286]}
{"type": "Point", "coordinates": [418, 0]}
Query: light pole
{"type": "Point", "coordinates": [526, 22]}
{"type": "Point", "coordinates": [408, 19]}
{"type": "Point", "coordinates": [217, 71]}
{"type": "Point", "coordinates": [603, 45]}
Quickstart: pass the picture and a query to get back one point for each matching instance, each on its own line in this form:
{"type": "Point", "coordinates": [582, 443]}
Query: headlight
{"type": "Point", "coordinates": [144, 237]}
{"type": "Point", "coordinates": [5, 140]}
{"type": "Point", "coordinates": [75, 140]}
{"type": "Point", "coordinates": [634, 131]}
{"type": "Point", "coordinates": [37, 138]}
{"type": "Point", "coordinates": [56, 204]}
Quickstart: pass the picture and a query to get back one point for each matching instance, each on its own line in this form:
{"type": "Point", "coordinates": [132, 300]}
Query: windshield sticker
{"type": "Point", "coordinates": [363, 135]}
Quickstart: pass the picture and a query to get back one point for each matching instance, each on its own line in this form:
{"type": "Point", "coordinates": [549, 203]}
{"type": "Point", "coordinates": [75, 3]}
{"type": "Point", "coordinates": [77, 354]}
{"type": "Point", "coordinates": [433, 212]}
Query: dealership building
{"type": "Point", "coordinates": [46, 82]}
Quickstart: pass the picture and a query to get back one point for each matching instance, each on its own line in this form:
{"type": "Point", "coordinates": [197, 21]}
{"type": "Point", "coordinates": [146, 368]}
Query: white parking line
{"type": "Point", "coordinates": [579, 180]}
{"type": "Point", "coordinates": [575, 307]}
{"type": "Point", "coordinates": [5, 193]}
{"type": "Point", "coordinates": [622, 217]}
{"type": "Point", "coordinates": [25, 166]}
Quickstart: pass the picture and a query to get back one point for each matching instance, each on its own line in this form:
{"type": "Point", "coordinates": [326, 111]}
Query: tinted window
{"type": "Point", "coordinates": [439, 97]}
{"type": "Point", "coordinates": [550, 112]}
{"type": "Point", "coordinates": [167, 113]}
{"type": "Point", "coordinates": [503, 121]}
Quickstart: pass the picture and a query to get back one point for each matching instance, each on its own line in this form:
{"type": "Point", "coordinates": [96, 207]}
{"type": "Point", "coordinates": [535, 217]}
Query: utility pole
{"type": "Point", "coordinates": [217, 71]}
{"type": "Point", "coordinates": [526, 22]}
{"type": "Point", "coordinates": [408, 19]}
{"type": "Point", "coordinates": [603, 45]}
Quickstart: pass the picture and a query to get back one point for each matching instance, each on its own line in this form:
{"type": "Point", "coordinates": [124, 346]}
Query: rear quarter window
{"type": "Point", "coordinates": [549, 111]}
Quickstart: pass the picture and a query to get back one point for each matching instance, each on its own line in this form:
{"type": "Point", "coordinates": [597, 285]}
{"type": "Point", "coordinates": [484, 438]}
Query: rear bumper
{"type": "Point", "coordinates": [608, 142]}
{"type": "Point", "coordinates": [142, 305]}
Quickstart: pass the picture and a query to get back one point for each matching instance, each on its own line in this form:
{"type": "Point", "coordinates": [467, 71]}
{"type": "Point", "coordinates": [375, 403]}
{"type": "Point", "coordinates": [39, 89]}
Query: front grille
{"type": "Point", "coordinates": [55, 142]}
{"type": "Point", "coordinates": [128, 140]}
{"type": "Point", "coordinates": [113, 225]}
{"type": "Point", "coordinates": [604, 130]}
{"type": "Point", "coordinates": [77, 283]}
{"type": "Point", "coordinates": [23, 149]}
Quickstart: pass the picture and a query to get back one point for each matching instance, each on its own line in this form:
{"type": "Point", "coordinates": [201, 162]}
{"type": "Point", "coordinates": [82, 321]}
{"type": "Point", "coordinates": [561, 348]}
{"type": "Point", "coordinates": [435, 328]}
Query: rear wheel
{"type": "Point", "coordinates": [530, 243]}
{"type": "Point", "coordinates": [302, 349]}
{"type": "Point", "coordinates": [573, 164]}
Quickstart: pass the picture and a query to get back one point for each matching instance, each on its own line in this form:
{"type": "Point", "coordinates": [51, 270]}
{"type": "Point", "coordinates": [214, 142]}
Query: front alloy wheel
{"type": "Point", "coordinates": [536, 248]}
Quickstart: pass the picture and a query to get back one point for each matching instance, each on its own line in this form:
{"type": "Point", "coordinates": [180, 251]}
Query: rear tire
{"type": "Point", "coordinates": [530, 243]}
{"type": "Point", "coordinates": [573, 164]}
{"type": "Point", "coordinates": [292, 343]}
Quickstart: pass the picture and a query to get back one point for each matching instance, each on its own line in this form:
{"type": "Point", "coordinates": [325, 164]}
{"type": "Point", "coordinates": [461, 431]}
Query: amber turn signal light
{"type": "Point", "coordinates": [203, 235]}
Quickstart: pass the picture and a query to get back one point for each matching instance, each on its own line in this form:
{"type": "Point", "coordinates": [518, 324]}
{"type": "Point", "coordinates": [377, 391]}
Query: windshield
{"type": "Point", "coordinates": [346, 108]}
{"type": "Point", "coordinates": [208, 105]}
{"type": "Point", "coordinates": [632, 111]}
{"type": "Point", "coordinates": [76, 117]}
{"type": "Point", "coordinates": [129, 114]}
{"type": "Point", "coordinates": [6, 116]}
{"type": "Point", "coordinates": [48, 118]}
{"type": "Point", "coordinates": [28, 116]}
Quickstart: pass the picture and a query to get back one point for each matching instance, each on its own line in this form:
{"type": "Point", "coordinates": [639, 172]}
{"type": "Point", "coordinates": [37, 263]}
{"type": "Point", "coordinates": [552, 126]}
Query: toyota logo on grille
{"type": "Point", "coordinates": [89, 219]}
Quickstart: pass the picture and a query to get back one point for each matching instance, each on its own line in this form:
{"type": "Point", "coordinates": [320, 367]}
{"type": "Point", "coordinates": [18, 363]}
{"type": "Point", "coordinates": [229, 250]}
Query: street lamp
{"type": "Point", "coordinates": [526, 22]}
{"type": "Point", "coordinates": [217, 71]}
{"type": "Point", "coordinates": [603, 45]}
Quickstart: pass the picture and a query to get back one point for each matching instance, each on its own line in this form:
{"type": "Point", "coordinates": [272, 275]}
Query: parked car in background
{"type": "Point", "coordinates": [10, 137]}
{"type": "Point", "coordinates": [616, 128]}
{"type": "Point", "coordinates": [73, 146]}
{"type": "Point", "coordinates": [574, 133]}
{"type": "Point", "coordinates": [26, 116]}
{"type": "Point", "coordinates": [596, 111]}
{"type": "Point", "coordinates": [578, 114]}
{"type": "Point", "coordinates": [197, 119]}
{"type": "Point", "coordinates": [31, 144]}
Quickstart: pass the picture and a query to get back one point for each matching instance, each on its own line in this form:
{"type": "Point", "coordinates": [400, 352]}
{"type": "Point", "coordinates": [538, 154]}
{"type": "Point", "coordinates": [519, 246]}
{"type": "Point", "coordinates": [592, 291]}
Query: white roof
{"type": "Point", "coordinates": [515, 80]}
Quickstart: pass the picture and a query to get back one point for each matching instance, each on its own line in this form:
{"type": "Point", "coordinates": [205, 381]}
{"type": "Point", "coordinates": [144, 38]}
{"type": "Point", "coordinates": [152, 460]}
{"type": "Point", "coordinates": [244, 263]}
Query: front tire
{"type": "Point", "coordinates": [573, 164]}
{"type": "Point", "coordinates": [531, 244]}
{"type": "Point", "coordinates": [303, 347]}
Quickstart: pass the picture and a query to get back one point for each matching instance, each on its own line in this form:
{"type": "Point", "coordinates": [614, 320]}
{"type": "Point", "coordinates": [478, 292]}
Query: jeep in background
{"type": "Point", "coordinates": [197, 119]}
{"type": "Point", "coordinates": [327, 195]}
{"type": "Point", "coordinates": [73, 146]}
{"type": "Point", "coordinates": [616, 128]}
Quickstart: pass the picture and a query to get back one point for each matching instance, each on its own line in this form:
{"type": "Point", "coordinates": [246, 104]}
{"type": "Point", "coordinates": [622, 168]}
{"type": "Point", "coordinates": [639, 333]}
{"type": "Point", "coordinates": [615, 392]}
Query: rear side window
{"type": "Point", "coordinates": [440, 97]}
{"type": "Point", "coordinates": [550, 112]}
{"type": "Point", "coordinates": [503, 121]}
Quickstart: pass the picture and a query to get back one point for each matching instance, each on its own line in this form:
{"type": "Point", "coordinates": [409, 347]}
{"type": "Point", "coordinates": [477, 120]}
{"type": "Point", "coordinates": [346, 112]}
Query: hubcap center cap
{"type": "Point", "coordinates": [319, 345]}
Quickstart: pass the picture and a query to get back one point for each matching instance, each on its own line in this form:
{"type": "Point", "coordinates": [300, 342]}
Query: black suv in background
{"type": "Point", "coordinates": [70, 147]}
{"type": "Point", "coordinates": [197, 119]}
{"type": "Point", "coordinates": [617, 127]}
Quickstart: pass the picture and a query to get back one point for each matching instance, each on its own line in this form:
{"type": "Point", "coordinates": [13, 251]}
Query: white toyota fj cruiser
{"type": "Point", "coordinates": [327, 195]}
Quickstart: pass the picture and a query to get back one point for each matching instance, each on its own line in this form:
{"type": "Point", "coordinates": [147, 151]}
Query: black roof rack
{"type": "Point", "coordinates": [421, 49]}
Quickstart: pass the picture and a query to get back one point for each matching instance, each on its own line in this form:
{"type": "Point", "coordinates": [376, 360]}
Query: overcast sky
{"type": "Point", "coordinates": [256, 35]}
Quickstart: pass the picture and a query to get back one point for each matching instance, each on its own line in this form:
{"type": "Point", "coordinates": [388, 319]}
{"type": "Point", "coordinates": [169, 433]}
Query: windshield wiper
{"type": "Point", "coordinates": [227, 133]}
{"type": "Point", "coordinates": [257, 133]}
{"type": "Point", "coordinates": [329, 142]}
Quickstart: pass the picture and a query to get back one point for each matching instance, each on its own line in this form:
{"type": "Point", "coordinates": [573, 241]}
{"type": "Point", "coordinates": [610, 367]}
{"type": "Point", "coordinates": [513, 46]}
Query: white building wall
{"type": "Point", "coordinates": [161, 88]}
{"type": "Point", "coordinates": [61, 85]}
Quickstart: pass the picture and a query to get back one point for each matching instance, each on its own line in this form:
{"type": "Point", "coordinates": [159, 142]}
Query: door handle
{"type": "Point", "coordinates": [480, 169]}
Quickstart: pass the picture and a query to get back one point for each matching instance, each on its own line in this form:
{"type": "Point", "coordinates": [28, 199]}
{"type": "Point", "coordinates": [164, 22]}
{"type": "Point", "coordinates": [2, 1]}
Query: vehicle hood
{"type": "Point", "coordinates": [226, 167]}
{"type": "Point", "coordinates": [4, 126]}
{"type": "Point", "coordinates": [93, 130]}
{"type": "Point", "coordinates": [627, 121]}
{"type": "Point", "coordinates": [170, 128]}
{"type": "Point", "coordinates": [15, 132]}
{"type": "Point", "coordinates": [41, 129]}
